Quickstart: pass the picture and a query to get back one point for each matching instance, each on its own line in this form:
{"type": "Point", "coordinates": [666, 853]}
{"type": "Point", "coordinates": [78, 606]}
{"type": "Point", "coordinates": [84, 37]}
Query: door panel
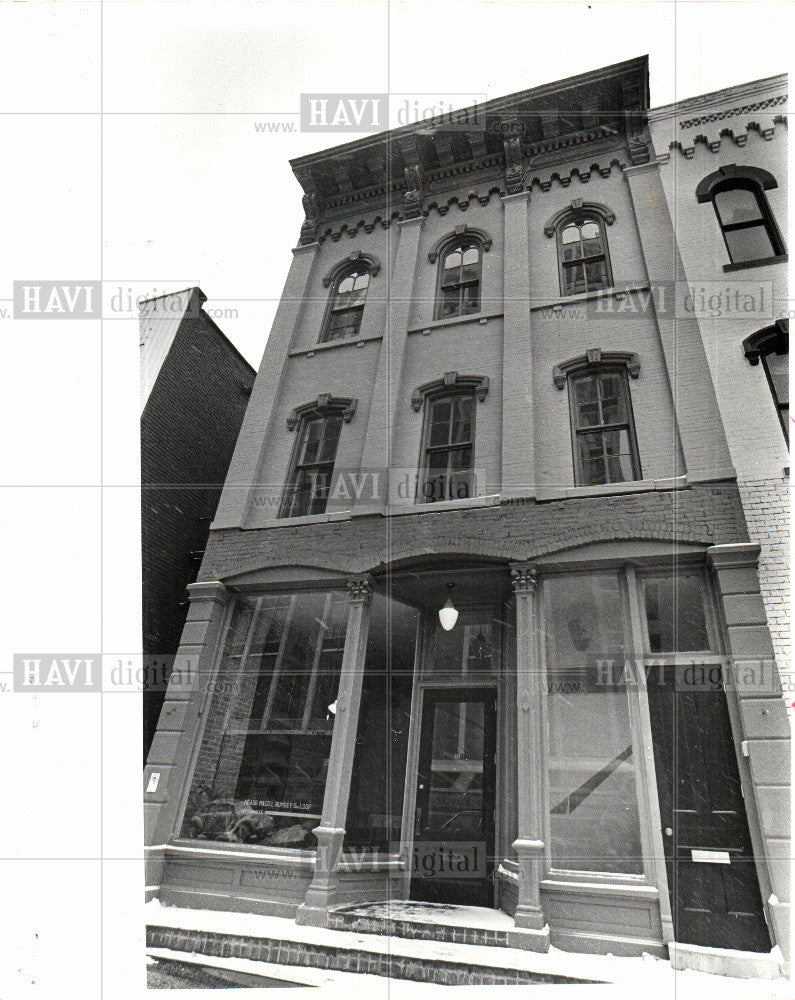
{"type": "Point", "coordinates": [712, 877]}
{"type": "Point", "coordinates": [454, 821]}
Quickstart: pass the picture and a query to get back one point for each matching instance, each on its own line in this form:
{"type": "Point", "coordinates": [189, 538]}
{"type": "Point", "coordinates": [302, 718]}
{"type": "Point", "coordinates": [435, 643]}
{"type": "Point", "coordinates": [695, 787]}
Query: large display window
{"type": "Point", "coordinates": [261, 771]}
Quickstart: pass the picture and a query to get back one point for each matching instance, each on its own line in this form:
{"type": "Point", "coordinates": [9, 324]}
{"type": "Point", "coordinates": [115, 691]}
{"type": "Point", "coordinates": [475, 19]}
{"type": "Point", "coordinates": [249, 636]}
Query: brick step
{"type": "Point", "coordinates": [467, 965]}
{"type": "Point", "coordinates": [359, 920]}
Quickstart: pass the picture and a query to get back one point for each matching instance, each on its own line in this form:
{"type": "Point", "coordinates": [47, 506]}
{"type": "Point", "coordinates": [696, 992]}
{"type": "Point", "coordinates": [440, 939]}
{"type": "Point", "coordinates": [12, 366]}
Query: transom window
{"type": "Point", "coordinates": [603, 433]}
{"type": "Point", "coordinates": [582, 255]}
{"type": "Point", "coordinates": [459, 280]}
{"type": "Point", "coordinates": [344, 317]}
{"type": "Point", "coordinates": [310, 478]}
{"type": "Point", "coordinates": [448, 448]}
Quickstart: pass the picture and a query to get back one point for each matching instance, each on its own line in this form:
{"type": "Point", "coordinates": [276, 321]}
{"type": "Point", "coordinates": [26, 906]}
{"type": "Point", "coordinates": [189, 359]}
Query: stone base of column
{"type": "Point", "coordinates": [320, 895]}
{"type": "Point", "coordinates": [529, 938]}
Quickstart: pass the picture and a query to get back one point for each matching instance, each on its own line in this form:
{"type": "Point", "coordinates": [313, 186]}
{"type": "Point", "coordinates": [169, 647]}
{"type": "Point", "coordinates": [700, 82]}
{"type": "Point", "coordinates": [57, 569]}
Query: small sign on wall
{"type": "Point", "coordinates": [712, 857]}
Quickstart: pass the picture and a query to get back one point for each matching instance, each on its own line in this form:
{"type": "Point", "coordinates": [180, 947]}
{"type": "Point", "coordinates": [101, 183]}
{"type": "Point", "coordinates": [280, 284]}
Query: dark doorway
{"type": "Point", "coordinates": [453, 855]}
{"type": "Point", "coordinates": [712, 877]}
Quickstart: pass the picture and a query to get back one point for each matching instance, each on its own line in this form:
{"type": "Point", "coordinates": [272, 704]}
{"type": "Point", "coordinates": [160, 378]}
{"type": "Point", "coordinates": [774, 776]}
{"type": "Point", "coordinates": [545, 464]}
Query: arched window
{"type": "Point", "coordinates": [344, 315]}
{"type": "Point", "coordinates": [459, 279]}
{"type": "Point", "coordinates": [744, 216]}
{"type": "Point", "coordinates": [583, 258]}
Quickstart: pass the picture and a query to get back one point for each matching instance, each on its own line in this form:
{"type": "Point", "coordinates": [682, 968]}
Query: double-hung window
{"type": "Point", "coordinates": [448, 447]}
{"type": "Point", "coordinates": [603, 433]}
{"type": "Point", "coordinates": [313, 465]}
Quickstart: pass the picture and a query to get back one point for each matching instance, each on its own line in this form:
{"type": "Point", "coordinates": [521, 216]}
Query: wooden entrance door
{"type": "Point", "coordinates": [712, 877]}
{"type": "Point", "coordinates": [453, 856]}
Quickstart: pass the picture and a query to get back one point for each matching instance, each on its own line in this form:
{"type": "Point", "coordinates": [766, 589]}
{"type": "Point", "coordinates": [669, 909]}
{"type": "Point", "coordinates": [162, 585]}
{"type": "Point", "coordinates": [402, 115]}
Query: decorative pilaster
{"type": "Point", "coordinates": [518, 439]}
{"type": "Point", "coordinates": [243, 478]}
{"type": "Point", "coordinates": [331, 832]}
{"type": "Point", "coordinates": [377, 452]}
{"type": "Point", "coordinates": [532, 930]}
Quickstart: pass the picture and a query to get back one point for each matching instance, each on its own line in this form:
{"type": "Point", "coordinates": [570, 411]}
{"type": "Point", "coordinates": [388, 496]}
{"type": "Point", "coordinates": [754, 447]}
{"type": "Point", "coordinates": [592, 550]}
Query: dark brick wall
{"type": "Point", "coordinates": [188, 431]}
{"type": "Point", "coordinates": [709, 514]}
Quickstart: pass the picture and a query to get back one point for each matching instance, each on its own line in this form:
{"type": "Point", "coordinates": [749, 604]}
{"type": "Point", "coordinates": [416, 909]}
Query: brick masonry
{"type": "Point", "coordinates": [424, 970]}
{"type": "Point", "coordinates": [706, 514]}
{"type": "Point", "coordinates": [188, 430]}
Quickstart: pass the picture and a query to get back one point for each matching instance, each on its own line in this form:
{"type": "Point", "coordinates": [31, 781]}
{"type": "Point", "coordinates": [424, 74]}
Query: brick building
{"type": "Point", "coordinates": [195, 387]}
{"type": "Point", "coordinates": [480, 618]}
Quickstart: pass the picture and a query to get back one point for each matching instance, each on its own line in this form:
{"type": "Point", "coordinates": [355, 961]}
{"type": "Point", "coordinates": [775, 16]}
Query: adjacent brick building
{"type": "Point", "coordinates": [480, 619]}
{"type": "Point", "coordinates": [195, 387]}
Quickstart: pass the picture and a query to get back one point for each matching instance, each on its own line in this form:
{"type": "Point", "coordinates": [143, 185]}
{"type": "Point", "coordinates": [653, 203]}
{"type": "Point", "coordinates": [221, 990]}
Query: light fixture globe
{"type": "Point", "coordinates": [448, 614]}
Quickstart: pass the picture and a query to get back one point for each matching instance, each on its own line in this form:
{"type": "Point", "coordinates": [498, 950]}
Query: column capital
{"type": "Point", "coordinates": [360, 588]}
{"type": "Point", "coordinates": [524, 576]}
{"type": "Point", "coordinates": [733, 556]}
{"type": "Point", "coordinates": [211, 590]}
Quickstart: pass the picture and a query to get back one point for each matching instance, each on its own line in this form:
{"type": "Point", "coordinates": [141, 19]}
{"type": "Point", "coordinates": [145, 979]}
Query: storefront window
{"type": "Point", "coordinates": [675, 613]}
{"type": "Point", "coordinates": [375, 806]}
{"type": "Point", "coordinates": [593, 805]}
{"type": "Point", "coordinates": [261, 772]}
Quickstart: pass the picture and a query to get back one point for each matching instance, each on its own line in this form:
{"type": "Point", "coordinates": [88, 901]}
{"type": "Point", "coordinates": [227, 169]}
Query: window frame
{"type": "Point", "coordinates": [431, 398]}
{"type": "Point", "coordinates": [758, 347]}
{"type": "Point", "coordinates": [460, 242]}
{"type": "Point", "coordinates": [302, 422]}
{"type": "Point", "coordinates": [603, 367]}
{"type": "Point", "coordinates": [580, 217]}
{"type": "Point", "coordinates": [765, 219]}
{"type": "Point", "coordinates": [358, 267]}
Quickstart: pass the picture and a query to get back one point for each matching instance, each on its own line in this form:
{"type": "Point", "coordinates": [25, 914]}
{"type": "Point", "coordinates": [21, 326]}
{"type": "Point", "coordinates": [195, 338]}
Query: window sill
{"type": "Point", "coordinates": [329, 345]}
{"type": "Point", "coordinates": [397, 510]}
{"type": "Point", "coordinates": [762, 262]}
{"type": "Point", "coordinates": [480, 318]}
{"type": "Point", "coordinates": [615, 292]}
{"type": "Point", "coordinates": [608, 489]}
{"type": "Point", "coordinates": [291, 522]}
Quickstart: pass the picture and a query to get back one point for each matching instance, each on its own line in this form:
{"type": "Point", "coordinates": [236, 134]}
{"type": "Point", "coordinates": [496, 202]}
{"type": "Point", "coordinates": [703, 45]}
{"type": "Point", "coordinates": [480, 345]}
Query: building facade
{"type": "Point", "coordinates": [195, 387]}
{"type": "Point", "coordinates": [476, 399]}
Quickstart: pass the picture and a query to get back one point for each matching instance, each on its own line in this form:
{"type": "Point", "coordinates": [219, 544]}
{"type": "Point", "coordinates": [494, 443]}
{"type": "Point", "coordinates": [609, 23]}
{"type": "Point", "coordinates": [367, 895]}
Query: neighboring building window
{"type": "Point", "coordinates": [459, 279]}
{"type": "Point", "coordinates": [344, 316]}
{"type": "Point", "coordinates": [771, 347]}
{"type": "Point", "coordinates": [261, 772]}
{"type": "Point", "coordinates": [313, 465]}
{"type": "Point", "coordinates": [448, 448]}
{"type": "Point", "coordinates": [603, 432]}
{"type": "Point", "coordinates": [582, 254]}
{"type": "Point", "coordinates": [744, 216]}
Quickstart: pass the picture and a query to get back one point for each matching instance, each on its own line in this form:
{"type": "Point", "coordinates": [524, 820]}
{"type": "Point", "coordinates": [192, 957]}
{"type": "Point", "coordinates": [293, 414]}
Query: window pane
{"type": "Point", "coordinates": [610, 386]}
{"type": "Point", "coordinates": [751, 243]}
{"type": "Point", "coordinates": [590, 234]}
{"type": "Point", "coordinates": [461, 426]}
{"type": "Point", "coordinates": [261, 770]}
{"type": "Point", "coordinates": [451, 302]}
{"type": "Point", "coordinates": [737, 205]}
{"type": "Point", "coordinates": [593, 804]}
{"type": "Point", "coordinates": [675, 613]}
{"type": "Point", "coordinates": [592, 459]}
{"type": "Point", "coordinates": [778, 367]}
{"type": "Point", "coordinates": [375, 806]}
{"type": "Point", "coordinates": [586, 401]}
{"type": "Point", "coordinates": [331, 434]}
{"type": "Point", "coordinates": [574, 277]}
{"type": "Point", "coordinates": [596, 275]}
{"type": "Point", "coordinates": [471, 256]}
{"type": "Point", "coordinates": [440, 421]}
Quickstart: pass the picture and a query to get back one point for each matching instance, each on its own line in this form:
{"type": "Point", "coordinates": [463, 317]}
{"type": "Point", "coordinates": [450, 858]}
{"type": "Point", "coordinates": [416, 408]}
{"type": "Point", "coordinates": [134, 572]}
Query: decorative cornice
{"type": "Point", "coordinates": [714, 145]}
{"type": "Point", "coordinates": [595, 356]}
{"type": "Point", "coordinates": [373, 266]}
{"type": "Point", "coordinates": [325, 403]}
{"type": "Point", "coordinates": [360, 588]}
{"type": "Point", "coordinates": [480, 235]}
{"type": "Point", "coordinates": [524, 577]}
{"type": "Point", "coordinates": [579, 207]}
{"type": "Point", "coordinates": [450, 381]}
{"type": "Point", "coordinates": [719, 116]}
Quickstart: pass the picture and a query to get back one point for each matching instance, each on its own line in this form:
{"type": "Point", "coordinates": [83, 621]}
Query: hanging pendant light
{"type": "Point", "coordinates": [448, 615]}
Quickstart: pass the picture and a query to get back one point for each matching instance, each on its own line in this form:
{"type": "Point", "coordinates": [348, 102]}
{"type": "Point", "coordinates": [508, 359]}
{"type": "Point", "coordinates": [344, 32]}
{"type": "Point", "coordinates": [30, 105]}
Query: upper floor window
{"type": "Point", "coordinates": [344, 315]}
{"type": "Point", "coordinates": [770, 346]}
{"type": "Point", "coordinates": [315, 452]}
{"type": "Point", "coordinates": [459, 279]}
{"type": "Point", "coordinates": [448, 438]}
{"type": "Point", "coordinates": [583, 257]}
{"type": "Point", "coordinates": [449, 441]}
{"type": "Point", "coordinates": [603, 431]}
{"type": "Point", "coordinates": [746, 222]}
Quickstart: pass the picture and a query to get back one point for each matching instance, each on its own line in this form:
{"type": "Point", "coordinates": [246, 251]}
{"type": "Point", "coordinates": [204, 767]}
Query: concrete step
{"type": "Point", "coordinates": [426, 922]}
